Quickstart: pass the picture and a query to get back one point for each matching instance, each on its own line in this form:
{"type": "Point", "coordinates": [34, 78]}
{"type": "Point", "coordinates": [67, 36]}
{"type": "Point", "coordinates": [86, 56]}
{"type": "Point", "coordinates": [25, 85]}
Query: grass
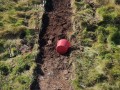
{"type": "Point", "coordinates": [17, 18]}
{"type": "Point", "coordinates": [17, 70]}
{"type": "Point", "coordinates": [98, 32]}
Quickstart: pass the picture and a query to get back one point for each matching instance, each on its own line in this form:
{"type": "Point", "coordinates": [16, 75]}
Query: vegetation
{"type": "Point", "coordinates": [98, 32]}
{"type": "Point", "coordinates": [19, 22]}
{"type": "Point", "coordinates": [17, 72]}
{"type": "Point", "coordinates": [96, 35]}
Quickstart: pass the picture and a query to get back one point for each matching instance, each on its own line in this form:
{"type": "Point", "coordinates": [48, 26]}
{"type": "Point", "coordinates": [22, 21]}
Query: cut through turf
{"type": "Point", "coordinates": [53, 70]}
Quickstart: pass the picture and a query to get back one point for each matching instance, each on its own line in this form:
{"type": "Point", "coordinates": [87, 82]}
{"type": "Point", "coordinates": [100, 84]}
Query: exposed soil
{"type": "Point", "coordinates": [53, 70]}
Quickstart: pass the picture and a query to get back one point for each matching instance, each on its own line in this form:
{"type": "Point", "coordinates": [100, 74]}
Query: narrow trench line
{"type": "Point", "coordinates": [45, 22]}
{"type": "Point", "coordinates": [47, 60]}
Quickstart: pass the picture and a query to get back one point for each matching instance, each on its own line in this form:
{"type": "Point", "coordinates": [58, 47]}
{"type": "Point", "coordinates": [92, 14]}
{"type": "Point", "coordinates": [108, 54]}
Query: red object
{"type": "Point", "coordinates": [62, 46]}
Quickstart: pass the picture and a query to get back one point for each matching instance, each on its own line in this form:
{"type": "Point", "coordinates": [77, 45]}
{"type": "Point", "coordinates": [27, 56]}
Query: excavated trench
{"type": "Point", "coordinates": [53, 70]}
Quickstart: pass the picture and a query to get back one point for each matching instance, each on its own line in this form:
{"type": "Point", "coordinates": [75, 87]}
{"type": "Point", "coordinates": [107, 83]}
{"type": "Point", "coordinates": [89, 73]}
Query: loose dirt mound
{"type": "Point", "coordinates": [53, 71]}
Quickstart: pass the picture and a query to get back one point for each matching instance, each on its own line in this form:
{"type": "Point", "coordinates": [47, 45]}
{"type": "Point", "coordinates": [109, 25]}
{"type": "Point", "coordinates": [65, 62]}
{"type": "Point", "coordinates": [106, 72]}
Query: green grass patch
{"type": "Point", "coordinates": [98, 31]}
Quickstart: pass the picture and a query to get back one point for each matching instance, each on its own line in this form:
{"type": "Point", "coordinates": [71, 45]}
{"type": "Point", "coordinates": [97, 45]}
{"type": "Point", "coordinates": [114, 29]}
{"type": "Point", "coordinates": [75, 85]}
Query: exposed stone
{"type": "Point", "coordinates": [49, 42]}
{"type": "Point", "coordinates": [41, 78]}
{"type": "Point", "coordinates": [50, 73]}
{"type": "Point", "coordinates": [66, 78]}
{"type": "Point", "coordinates": [65, 72]}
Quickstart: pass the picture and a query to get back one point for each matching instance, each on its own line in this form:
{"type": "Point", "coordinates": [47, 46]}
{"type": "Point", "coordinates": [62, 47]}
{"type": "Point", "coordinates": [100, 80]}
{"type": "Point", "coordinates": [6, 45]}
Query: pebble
{"type": "Point", "coordinates": [41, 78]}
{"type": "Point", "coordinates": [50, 73]}
{"type": "Point", "coordinates": [66, 78]}
{"type": "Point", "coordinates": [49, 42]}
{"type": "Point", "coordinates": [65, 72]}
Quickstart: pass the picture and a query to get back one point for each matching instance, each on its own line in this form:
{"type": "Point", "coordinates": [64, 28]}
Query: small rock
{"type": "Point", "coordinates": [41, 78]}
{"type": "Point", "coordinates": [65, 72]}
{"type": "Point", "coordinates": [50, 73]}
{"type": "Point", "coordinates": [66, 78]}
{"type": "Point", "coordinates": [49, 42]}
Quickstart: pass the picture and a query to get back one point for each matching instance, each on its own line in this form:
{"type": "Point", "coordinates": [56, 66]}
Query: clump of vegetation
{"type": "Point", "coordinates": [19, 71]}
{"type": "Point", "coordinates": [97, 64]}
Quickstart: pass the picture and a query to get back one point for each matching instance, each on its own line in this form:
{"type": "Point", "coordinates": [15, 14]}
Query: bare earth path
{"type": "Point", "coordinates": [53, 69]}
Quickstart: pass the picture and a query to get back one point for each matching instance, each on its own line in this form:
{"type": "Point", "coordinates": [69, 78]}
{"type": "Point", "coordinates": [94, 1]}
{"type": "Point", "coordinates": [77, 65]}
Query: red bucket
{"type": "Point", "coordinates": [62, 46]}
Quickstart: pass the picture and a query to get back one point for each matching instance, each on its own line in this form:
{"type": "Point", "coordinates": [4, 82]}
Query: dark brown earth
{"type": "Point", "coordinates": [53, 70]}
